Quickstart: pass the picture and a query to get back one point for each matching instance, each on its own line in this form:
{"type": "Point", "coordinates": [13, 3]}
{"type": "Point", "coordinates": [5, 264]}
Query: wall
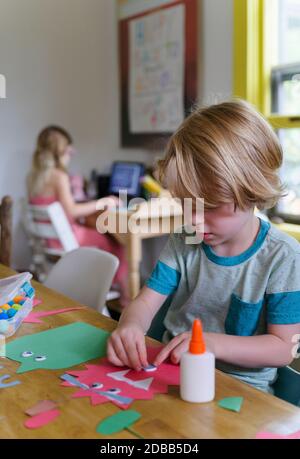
{"type": "Point", "coordinates": [60, 61]}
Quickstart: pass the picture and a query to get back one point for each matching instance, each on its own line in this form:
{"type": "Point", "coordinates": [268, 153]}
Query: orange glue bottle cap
{"type": "Point", "coordinates": [197, 343]}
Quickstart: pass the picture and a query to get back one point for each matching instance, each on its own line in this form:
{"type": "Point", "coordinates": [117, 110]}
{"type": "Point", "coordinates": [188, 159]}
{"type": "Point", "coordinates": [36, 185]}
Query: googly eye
{"type": "Point", "coordinates": [40, 358]}
{"type": "Point", "coordinates": [150, 368]}
{"type": "Point", "coordinates": [27, 354]}
{"type": "Point", "coordinates": [114, 391]}
{"type": "Point", "coordinates": [96, 385]}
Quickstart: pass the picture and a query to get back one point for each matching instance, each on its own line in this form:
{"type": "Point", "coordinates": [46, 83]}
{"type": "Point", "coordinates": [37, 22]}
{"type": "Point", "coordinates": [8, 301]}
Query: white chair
{"type": "Point", "coordinates": [50, 222]}
{"type": "Point", "coordinates": [86, 275]}
{"type": "Point", "coordinates": [40, 224]}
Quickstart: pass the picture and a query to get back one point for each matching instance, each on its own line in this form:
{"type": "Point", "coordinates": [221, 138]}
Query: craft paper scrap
{"type": "Point", "coordinates": [41, 419]}
{"type": "Point", "coordinates": [4, 385]}
{"type": "Point", "coordinates": [272, 436]}
{"type": "Point", "coordinates": [231, 403]}
{"type": "Point", "coordinates": [34, 317]}
{"type": "Point", "coordinates": [36, 302]}
{"type": "Point", "coordinates": [102, 380]}
{"type": "Point", "coordinates": [57, 348]}
{"type": "Point", "coordinates": [41, 407]}
{"type": "Point", "coordinates": [118, 422]}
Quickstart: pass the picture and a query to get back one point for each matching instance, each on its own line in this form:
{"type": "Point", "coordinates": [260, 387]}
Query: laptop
{"type": "Point", "coordinates": [125, 178]}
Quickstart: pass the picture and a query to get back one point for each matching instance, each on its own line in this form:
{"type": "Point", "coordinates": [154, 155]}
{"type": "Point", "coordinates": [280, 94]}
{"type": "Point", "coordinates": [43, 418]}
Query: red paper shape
{"type": "Point", "coordinates": [33, 317]}
{"type": "Point", "coordinates": [167, 374]}
{"type": "Point", "coordinates": [41, 419]}
{"type": "Point", "coordinates": [105, 373]}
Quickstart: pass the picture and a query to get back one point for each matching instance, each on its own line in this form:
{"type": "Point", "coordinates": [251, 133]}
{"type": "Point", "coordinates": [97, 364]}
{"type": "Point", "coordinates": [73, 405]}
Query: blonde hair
{"type": "Point", "coordinates": [224, 153]}
{"type": "Point", "coordinates": [47, 156]}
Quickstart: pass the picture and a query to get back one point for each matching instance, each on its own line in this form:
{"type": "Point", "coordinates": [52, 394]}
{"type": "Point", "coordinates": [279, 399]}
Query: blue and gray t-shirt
{"type": "Point", "coordinates": [237, 295]}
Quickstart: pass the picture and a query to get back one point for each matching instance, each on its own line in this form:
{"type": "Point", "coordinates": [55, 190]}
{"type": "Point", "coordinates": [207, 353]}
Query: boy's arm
{"type": "Point", "coordinates": [275, 349]}
{"type": "Point", "coordinates": [126, 345]}
{"type": "Point", "coordinates": [142, 309]}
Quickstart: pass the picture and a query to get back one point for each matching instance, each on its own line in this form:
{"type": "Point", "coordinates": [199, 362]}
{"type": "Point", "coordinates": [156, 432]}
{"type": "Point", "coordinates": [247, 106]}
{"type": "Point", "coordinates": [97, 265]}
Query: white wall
{"type": "Point", "coordinates": [216, 36]}
{"type": "Point", "coordinates": [60, 61]}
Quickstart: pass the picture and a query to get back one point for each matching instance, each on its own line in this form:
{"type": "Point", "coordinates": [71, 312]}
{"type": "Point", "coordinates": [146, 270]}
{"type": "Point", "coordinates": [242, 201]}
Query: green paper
{"type": "Point", "coordinates": [231, 403]}
{"type": "Point", "coordinates": [63, 347]}
{"type": "Point", "coordinates": [118, 422]}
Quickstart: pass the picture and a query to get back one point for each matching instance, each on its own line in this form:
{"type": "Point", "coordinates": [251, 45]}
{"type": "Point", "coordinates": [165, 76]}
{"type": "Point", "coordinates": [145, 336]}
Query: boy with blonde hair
{"type": "Point", "coordinates": [243, 279]}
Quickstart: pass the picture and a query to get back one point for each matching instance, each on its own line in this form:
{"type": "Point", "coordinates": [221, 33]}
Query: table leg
{"type": "Point", "coordinates": [134, 254]}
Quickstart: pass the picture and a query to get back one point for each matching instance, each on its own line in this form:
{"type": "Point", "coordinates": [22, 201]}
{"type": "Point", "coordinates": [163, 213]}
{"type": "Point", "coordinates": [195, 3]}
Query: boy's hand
{"type": "Point", "coordinates": [180, 344]}
{"type": "Point", "coordinates": [126, 347]}
{"type": "Point", "coordinates": [174, 349]}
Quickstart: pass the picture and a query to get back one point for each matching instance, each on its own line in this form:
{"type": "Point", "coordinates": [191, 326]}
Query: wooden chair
{"type": "Point", "coordinates": [6, 230]}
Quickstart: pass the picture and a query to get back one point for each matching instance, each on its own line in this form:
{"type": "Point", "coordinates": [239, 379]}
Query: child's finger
{"type": "Point", "coordinates": [132, 355]}
{"type": "Point", "coordinates": [141, 348]}
{"type": "Point", "coordinates": [177, 352]}
{"type": "Point", "coordinates": [166, 351]}
{"type": "Point", "coordinates": [112, 357]}
{"type": "Point", "coordinates": [163, 355]}
{"type": "Point", "coordinates": [120, 352]}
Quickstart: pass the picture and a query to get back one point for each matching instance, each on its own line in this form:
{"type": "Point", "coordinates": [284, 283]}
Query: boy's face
{"type": "Point", "coordinates": [221, 224]}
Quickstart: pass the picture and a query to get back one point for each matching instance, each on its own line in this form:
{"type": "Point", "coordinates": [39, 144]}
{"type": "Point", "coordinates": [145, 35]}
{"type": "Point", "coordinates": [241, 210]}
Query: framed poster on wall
{"type": "Point", "coordinates": [158, 68]}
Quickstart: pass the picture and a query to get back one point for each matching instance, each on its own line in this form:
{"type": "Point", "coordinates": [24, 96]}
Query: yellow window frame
{"type": "Point", "coordinates": [252, 58]}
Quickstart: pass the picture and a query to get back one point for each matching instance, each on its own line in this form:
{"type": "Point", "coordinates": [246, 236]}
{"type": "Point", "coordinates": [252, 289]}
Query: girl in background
{"type": "Point", "coordinates": [48, 182]}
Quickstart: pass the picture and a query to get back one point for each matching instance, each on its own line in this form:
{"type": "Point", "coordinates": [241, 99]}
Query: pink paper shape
{"type": "Point", "coordinates": [103, 372]}
{"type": "Point", "coordinates": [36, 302]}
{"type": "Point", "coordinates": [41, 407]}
{"type": "Point", "coordinates": [41, 419]}
{"type": "Point", "coordinates": [33, 317]}
{"type": "Point", "coordinates": [270, 435]}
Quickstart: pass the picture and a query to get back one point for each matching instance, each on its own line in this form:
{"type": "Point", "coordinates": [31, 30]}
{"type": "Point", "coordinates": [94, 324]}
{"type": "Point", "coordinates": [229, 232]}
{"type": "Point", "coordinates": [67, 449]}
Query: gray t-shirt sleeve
{"type": "Point", "coordinates": [166, 275]}
{"type": "Point", "coordinates": [283, 291]}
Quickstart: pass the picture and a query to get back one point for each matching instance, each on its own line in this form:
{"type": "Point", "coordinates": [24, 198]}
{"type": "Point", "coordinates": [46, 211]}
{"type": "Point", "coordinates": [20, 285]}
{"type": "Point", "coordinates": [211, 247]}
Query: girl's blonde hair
{"type": "Point", "coordinates": [224, 153]}
{"type": "Point", "coordinates": [47, 156]}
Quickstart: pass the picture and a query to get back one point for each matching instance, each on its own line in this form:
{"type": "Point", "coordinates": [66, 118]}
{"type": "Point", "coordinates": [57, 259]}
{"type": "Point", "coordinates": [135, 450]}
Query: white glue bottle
{"type": "Point", "coordinates": [197, 370]}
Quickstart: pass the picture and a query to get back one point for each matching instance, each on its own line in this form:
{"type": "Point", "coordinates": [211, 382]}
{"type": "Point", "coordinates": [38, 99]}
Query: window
{"type": "Point", "coordinates": [285, 72]}
{"type": "Point", "coordinates": [267, 47]}
{"type": "Point", "coordinates": [286, 17]}
{"type": "Point", "coordinates": [289, 206]}
{"type": "Point", "coordinates": [286, 89]}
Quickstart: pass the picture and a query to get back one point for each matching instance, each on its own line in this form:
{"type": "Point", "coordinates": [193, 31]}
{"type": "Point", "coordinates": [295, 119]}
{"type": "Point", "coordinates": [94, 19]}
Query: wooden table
{"type": "Point", "coordinates": [152, 221]}
{"type": "Point", "coordinates": [164, 417]}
